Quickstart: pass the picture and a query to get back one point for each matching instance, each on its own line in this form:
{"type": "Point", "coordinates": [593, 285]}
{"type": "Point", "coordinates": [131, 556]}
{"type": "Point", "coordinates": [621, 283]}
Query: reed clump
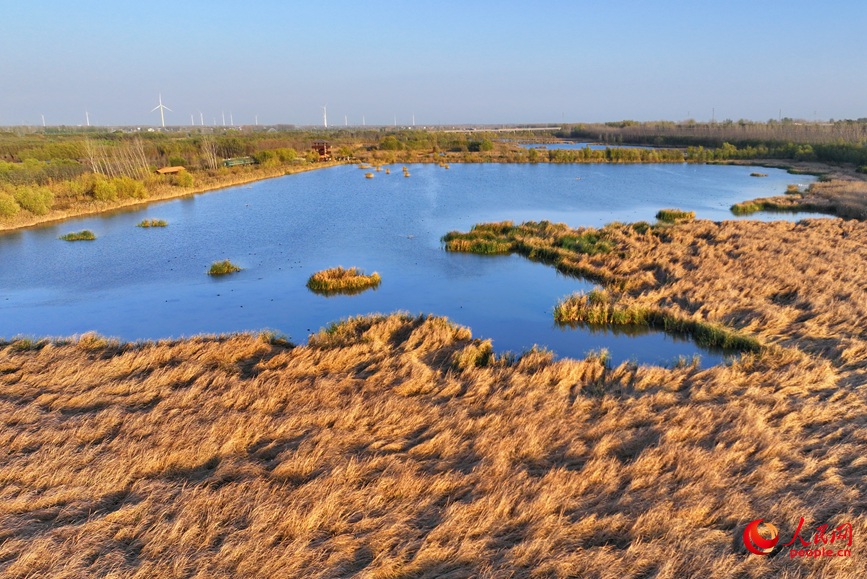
{"type": "Point", "coordinates": [224, 267]}
{"type": "Point", "coordinates": [675, 216]}
{"type": "Point", "coordinates": [601, 308]}
{"type": "Point", "coordinates": [84, 235]}
{"type": "Point", "coordinates": [342, 280]}
{"type": "Point", "coordinates": [152, 223]}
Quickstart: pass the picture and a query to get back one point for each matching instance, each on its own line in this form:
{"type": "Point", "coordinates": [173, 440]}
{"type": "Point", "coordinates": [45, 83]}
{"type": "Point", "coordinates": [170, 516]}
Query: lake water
{"type": "Point", "coordinates": [136, 283]}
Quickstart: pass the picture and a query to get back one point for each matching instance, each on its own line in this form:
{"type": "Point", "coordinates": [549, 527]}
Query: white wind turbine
{"type": "Point", "coordinates": [162, 108]}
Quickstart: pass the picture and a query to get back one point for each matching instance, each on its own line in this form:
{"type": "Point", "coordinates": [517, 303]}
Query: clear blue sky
{"type": "Point", "coordinates": [446, 61]}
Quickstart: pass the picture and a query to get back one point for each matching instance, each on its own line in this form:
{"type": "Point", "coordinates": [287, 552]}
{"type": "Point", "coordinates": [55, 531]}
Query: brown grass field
{"type": "Point", "coordinates": [400, 447]}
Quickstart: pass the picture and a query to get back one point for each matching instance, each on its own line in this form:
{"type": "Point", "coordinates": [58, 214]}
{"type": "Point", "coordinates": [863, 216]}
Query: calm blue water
{"type": "Point", "coordinates": [138, 283]}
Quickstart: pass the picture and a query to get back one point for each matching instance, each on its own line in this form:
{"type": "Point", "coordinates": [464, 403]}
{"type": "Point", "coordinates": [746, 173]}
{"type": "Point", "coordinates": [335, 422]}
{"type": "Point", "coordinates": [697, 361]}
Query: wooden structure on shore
{"type": "Point", "coordinates": [323, 148]}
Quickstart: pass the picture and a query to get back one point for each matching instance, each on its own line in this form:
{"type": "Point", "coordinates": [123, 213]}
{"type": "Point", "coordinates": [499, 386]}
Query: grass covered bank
{"type": "Point", "coordinates": [158, 190]}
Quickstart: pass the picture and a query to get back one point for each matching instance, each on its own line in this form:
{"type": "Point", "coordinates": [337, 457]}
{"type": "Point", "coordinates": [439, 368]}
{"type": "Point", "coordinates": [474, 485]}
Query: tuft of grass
{"type": "Point", "coordinates": [85, 235]}
{"type": "Point", "coordinates": [478, 354]}
{"type": "Point", "coordinates": [589, 243]}
{"type": "Point", "coordinates": [28, 344]}
{"type": "Point", "coordinates": [746, 207]}
{"type": "Point", "coordinates": [152, 223]}
{"type": "Point", "coordinates": [342, 280]}
{"type": "Point", "coordinates": [223, 267]}
{"type": "Point", "coordinates": [484, 238]}
{"type": "Point", "coordinates": [641, 227]}
{"type": "Point", "coordinates": [675, 216]}
{"type": "Point", "coordinates": [275, 338]}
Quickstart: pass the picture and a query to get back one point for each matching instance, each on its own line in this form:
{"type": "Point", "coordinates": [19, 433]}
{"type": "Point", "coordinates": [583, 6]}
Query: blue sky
{"type": "Point", "coordinates": [444, 62]}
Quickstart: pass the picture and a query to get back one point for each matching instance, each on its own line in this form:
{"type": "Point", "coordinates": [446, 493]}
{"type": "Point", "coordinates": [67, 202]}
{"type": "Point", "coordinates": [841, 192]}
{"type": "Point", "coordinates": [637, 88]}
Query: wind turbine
{"type": "Point", "coordinates": [162, 109]}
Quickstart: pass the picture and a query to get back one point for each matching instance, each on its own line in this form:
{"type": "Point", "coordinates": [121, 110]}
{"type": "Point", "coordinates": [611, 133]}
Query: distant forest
{"type": "Point", "coordinates": [831, 142]}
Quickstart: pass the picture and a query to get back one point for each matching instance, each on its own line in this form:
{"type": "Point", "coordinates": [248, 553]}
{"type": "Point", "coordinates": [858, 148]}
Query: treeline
{"type": "Point", "coordinates": [615, 155]}
{"type": "Point", "coordinates": [855, 154]}
{"type": "Point", "coordinates": [713, 135]}
{"type": "Point", "coordinates": [835, 142]}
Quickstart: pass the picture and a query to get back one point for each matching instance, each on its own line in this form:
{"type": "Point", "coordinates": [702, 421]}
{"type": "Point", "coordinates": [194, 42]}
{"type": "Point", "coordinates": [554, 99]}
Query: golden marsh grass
{"type": "Point", "coordinates": [342, 280]}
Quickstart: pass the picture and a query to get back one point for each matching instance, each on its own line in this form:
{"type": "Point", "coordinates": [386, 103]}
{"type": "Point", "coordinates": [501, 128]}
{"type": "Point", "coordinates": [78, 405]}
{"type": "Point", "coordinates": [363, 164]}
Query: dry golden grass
{"type": "Point", "coordinates": [338, 279]}
{"type": "Point", "coordinates": [843, 197]}
{"type": "Point", "coordinates": [400, 447]}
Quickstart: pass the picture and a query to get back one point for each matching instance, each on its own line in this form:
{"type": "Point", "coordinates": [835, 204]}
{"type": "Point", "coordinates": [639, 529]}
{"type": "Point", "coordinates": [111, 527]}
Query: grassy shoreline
{"type": "Point", "coordinates": [98, 208]}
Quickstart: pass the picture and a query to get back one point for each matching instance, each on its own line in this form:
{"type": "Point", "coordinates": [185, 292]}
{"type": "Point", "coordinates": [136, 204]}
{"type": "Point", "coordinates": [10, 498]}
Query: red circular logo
{"type": "Point", "coordinates": [760, 537]}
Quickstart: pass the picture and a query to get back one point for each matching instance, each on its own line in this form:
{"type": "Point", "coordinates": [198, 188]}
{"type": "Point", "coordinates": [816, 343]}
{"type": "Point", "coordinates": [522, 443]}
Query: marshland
{"type": "Point", "coordinates": [409, 444]}
{"type": "Point", "coordinates": [281, 231]}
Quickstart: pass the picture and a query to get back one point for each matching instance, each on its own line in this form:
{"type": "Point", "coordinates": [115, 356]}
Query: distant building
{"type": "Point", "coordinates": [323, 148]}
{"type": "Point", "coordinates": [170, 170]}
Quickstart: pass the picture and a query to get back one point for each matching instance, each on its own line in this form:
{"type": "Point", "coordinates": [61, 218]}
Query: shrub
{"type": "Point", "coordinates": [36, 200]}
{"type": "Point", "coordinates": [104, 190]}
{"type": "Point", "coordinates": [183, 178]}
{"type": "Point", "coordinates": [223, 267]}
{"type": "Point", "coordinates": [8, 206]}
{"type": "Point", "coordinates": [128, 188]}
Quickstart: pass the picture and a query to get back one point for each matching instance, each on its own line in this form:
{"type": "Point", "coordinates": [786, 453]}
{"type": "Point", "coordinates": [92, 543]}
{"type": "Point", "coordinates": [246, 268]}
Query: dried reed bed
{"type": "Point", "coordinates": [843, 197]}
{"type": "Point", "coordinates": [400, 447]}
